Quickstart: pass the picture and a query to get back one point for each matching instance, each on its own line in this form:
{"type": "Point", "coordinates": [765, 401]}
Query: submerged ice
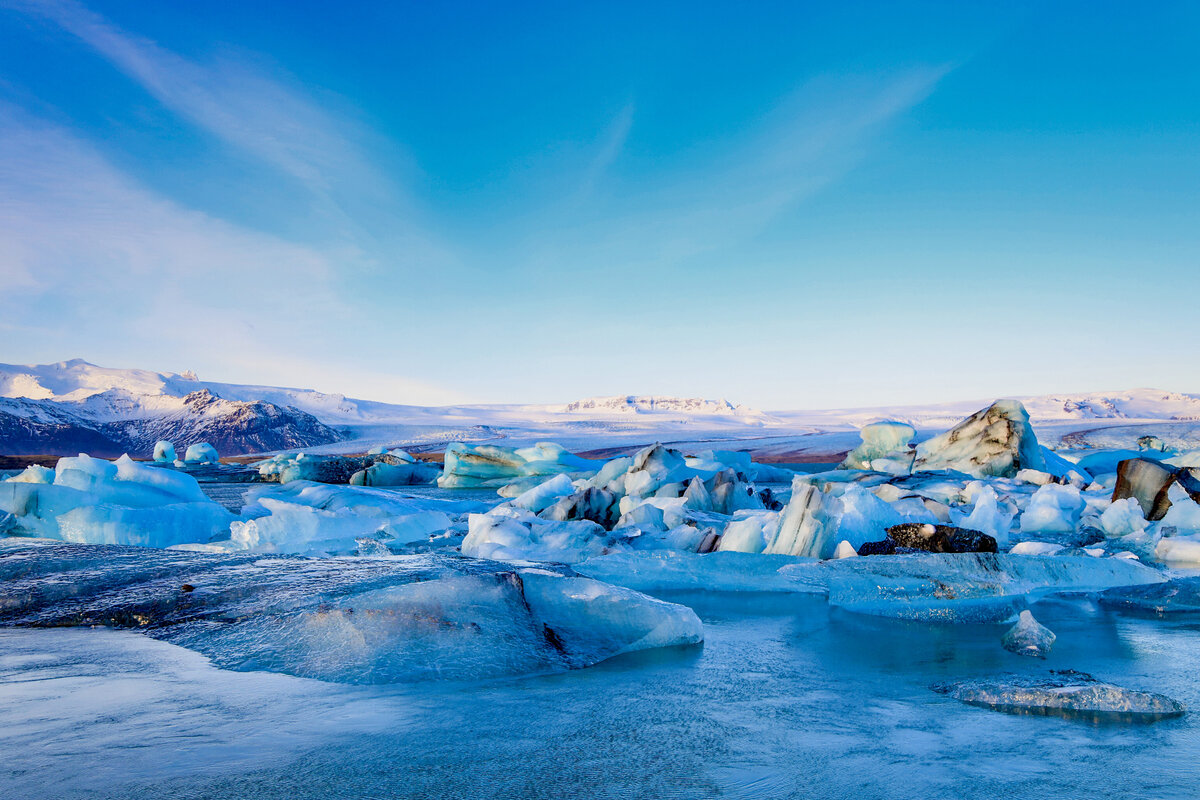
{"type": "Point", "coordinates": [351, 621]}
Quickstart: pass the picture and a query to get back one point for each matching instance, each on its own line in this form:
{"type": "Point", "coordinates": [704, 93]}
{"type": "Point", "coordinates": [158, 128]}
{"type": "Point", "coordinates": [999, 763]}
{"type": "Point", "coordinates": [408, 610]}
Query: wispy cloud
{"type": "Point", "coordinates": [724, 192]}
{"type": "Point", "coordinates": [609, 148]}
{"type": "Point", "coordinates": [85, 247]}
{"type": "Point", "coordinates": [266, 117]}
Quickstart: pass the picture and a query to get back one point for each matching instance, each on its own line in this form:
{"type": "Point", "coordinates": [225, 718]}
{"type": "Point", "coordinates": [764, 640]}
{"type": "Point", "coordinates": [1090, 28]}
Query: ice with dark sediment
{"type": "Point", "coordinates": [355, 620]}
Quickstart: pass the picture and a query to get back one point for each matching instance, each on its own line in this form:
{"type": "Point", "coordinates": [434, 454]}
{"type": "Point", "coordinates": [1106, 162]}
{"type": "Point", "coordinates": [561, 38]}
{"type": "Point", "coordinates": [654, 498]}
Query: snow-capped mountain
{"type": "Point", "coordinates": [643, 404]}
{"type": "Point", "coordinates": [74, 406]}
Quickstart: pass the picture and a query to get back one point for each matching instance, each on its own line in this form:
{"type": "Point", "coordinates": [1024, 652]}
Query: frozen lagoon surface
{"type": "Point", "coordinates": [788, 697]}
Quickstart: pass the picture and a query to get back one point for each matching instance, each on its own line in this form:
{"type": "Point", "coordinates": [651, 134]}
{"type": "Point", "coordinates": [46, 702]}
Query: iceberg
{"type": "Point", "coordinates": [486, 465]}
{"type": "Point", "coordinates": [164, 452]}
{"type": "Point", "coordinates": [655, 499]}
{"type": "Point", "coordinates": [158, 526]}
{"type": "Point", "coordinates": [91, 500]}
{"type": "Point", "coordinates": [201, 453]}
{"type": "Point", "coordinates": [1054, 508]}
{"type": "Point", "coordinates": [882, 440]}
{"type": "Point", "coordinates": [1149, 482]}
{"type": "Point", "coordinates": [544, 494]}
{"type": "Point", "coordinates": [994, 442]}
{"type": "Point", "coordinates": [382, 473]}
{"type": "Point", "coordinates": [530, 538]}
{"type": "Point", "coordinates": [808, 525]}
{"type": "Point", "coordinates": [311, 518]}
{"type": "Point", "coordinates": [1122, 518]}
{"type": "Point", "coordinates": [394, 468]}
{"type": "Point", "coordinates": [1029, 637]}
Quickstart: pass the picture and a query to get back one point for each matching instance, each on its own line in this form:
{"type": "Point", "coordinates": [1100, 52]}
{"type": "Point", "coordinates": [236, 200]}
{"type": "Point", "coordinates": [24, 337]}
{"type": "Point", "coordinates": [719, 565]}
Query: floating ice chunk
{"type": "Point", "coordinates": [1029, 637]}
{"type": "Point", "coordinates": [749, 534]}
{"type": "Point", "coordinates": [1178, 549]}
{"type": "Point", "coordinates": [808, 525]}
{"type": "Point", "coordinates": [1148, 481]}
{"type": "Point", "coordinates": [996, 441]}
{"type": "Point", "coordinates": [1054, 508]}
{"type": "Point", "coordinates": [34, 473]}
{"type": "Point", "coordinates": [545, 494]}
{"type": "Point", "coordinates": [503, 538]}
{"type": "Point", "coordinates": [644, 517]}
{"type": "Point", "coordinates": [864, 517]}
{"type": "Point", "coordinates": [176, 484]}
{"type": "Point", "coordinates": [201, 453]}
{"type": "Point", "coordinates": [161, 526]}
{"type": "Point", "coordinates": [1034, 476]}
{"type": "Point", "coordinates": [845, 550]}
{"type": "Point", "coordinates": [963, 587]}
{"type": "Point", "coordinates": [409, 473]}
{"type": "Point", "coordinates": [1182, 517]}
{"type": "Point", "coordinates": [1122, 518]}
{"type": "Point", "coordinates": [323, 519]}
{"type": "Point", "coordinates": [881, 440]}
{"type": "Point", "coordinates": [1036, 549]}
{"type": "Point", "coordinates": [988, 516]}
{"type": "Point", "coordinates": [488, 465]}
{"type": "Point", "coordinates": [1064, 693]}
{"type": "Point", "coordinates": [591, 621]}
{"type": "Point", "coordinates": [613, 471]}
{"type": "Point", "coordinates": [598, 505]}
{"type": "Point", "coordinates": [295, 528]}
{"type": "Point", "coordinates": [164, 452]}
{"type": "Point", "coordinates": [696, 496]}
{"type": "Point", "coordinates": [124, 502]}
{"type": "Point", "coordinates": [669, 570]}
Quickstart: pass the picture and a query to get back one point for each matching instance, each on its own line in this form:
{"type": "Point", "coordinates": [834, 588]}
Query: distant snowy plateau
{"type": "Point", "coordinates": [74, 406]}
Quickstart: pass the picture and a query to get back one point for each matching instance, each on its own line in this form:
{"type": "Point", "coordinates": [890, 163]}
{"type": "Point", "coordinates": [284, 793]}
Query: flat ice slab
{"type": "Point", "coordinates": [963, 587]}
{"type": "Point", "coordinates": [1064, 693]}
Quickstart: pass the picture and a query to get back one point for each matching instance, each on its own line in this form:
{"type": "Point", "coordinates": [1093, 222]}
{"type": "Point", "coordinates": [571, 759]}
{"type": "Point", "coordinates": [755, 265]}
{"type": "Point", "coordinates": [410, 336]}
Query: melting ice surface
{"type": "Point", "coordinates": [788, 698]}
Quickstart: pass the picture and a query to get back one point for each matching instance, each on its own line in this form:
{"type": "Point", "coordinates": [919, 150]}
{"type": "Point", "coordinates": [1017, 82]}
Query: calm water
{"type": "Point", "coordinates": [787, 698]}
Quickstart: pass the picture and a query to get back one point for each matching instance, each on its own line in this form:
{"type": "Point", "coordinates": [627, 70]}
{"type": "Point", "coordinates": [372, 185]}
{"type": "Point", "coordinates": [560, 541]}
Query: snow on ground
{"type": "Point", "coordinates": [607, 424]}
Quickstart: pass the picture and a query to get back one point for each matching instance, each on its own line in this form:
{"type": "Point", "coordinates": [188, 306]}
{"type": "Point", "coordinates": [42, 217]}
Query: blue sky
{"type": "Point", "coordinates": [789, 205]}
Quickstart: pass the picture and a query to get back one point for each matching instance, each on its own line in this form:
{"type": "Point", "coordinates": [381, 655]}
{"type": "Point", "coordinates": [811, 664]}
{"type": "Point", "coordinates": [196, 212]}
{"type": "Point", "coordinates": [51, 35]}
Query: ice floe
{"type": "Point", "coordinates": [352, 621]}
{"type": "Point", "coordinates": [1064, 693]}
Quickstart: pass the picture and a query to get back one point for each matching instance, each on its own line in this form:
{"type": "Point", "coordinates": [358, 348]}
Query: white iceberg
{"type": "Point", "coordinates": [94, 501]}
{"type": "Point", "coordinates": [882, 440]}
{"type": "Point", "coordinates": [201, 453]}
